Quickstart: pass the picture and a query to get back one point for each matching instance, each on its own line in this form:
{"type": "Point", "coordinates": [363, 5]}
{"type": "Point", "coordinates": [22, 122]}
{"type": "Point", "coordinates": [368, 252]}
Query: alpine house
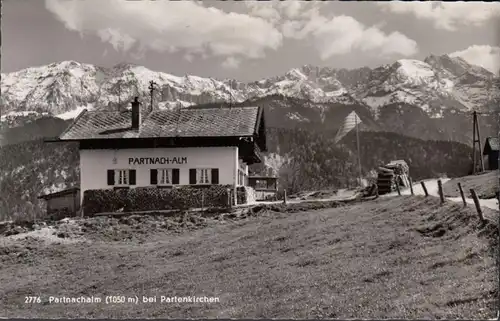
{"type": "Point", "coordinates": [167, 148]}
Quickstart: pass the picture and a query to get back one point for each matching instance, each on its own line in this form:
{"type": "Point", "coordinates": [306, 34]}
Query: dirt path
{"type": "Point", "coordinates": [485, 185]}
{"type": "Point", "coordinates": [402, 257]}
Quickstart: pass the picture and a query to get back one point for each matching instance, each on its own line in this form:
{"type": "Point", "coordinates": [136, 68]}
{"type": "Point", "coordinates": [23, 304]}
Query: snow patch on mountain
{"type": "Point", "coordinates": [75, 112]}
{"type": "Point", "coordinates": [416, 70]}
{"type": "Point", "coordinates": [296, 74]}
{"type": "Point", "coordinates": [400, 96]}
{"type": "Point", "coordinates": [14, 114]}
{"type": "Point", "coordinates": [170, 105]}
{"type": "Point", "coordinates": [297, 117]}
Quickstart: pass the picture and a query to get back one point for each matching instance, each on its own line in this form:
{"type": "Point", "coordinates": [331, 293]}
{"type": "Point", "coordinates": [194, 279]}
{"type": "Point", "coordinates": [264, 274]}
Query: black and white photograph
{"type": "Point", "coordinates": [249, 159]}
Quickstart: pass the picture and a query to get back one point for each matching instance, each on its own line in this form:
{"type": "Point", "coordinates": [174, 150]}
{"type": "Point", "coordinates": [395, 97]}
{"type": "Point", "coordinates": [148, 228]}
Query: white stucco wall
{"type": "Point", "coordinates": [95, 163]}
{"type": "Point", "coordinates": [243, 166]}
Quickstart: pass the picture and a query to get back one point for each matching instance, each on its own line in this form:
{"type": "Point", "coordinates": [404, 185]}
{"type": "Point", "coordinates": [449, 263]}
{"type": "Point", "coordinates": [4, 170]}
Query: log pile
{"type": "Point", "coordinates": [396, 172]}
{"type": "Point", "coordinates": [385, 180]}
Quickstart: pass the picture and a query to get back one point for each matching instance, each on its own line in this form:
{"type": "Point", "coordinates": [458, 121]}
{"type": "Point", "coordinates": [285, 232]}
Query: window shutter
{"type": "Point", "coordinates": [215, 176]}
{"type": "Point", "coordinates": [111, 177]}
{"type": "Point", "coordinates": [132, 176]}
{"type": "Point", "coordinates": [175, 176]}
{"type": "Point", "coordinates": [192, 176]}
{"type": "Point", "coordinates": [154, 176]}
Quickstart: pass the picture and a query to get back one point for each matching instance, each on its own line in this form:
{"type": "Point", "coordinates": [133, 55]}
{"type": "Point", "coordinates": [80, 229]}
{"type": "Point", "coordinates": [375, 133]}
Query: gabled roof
{"type": "Point", "coordinates": [188, 122]}
{"type": "Point", "coordinates": [492, 144]}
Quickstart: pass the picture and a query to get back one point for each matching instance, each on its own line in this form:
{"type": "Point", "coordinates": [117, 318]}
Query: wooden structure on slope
{"type": "Point", "coordinates": [266, 187]}
{"type": "Point", "coordinates": [491, 151]}
{"type": "Point", "coordinates": [396, 172]}
{"type": "Point", "coordinates": [62, 203]}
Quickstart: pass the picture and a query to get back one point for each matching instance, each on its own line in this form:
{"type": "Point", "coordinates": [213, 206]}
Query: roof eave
{"type": "Point", "coordinates": [69, 191]}
{"type": "Point", "coordinates": [263, 177]}
{"type": "Point", "coordinates": [73, 123]}
{"type": "Point", "coordinates": [145, 138]}
{"type": "Point", "coordinates": [260, 113]}
{"type": "Point", "coordinates": [53, 140]}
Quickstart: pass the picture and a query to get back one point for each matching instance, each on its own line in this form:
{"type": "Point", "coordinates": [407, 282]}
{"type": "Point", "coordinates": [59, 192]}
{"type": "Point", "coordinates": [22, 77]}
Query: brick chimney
{"type": "Point", "coordinates": [136, 113]}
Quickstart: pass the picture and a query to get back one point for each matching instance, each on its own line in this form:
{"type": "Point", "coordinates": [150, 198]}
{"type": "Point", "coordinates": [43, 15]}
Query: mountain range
{"type": "Point", "coordinates": [429, 99]}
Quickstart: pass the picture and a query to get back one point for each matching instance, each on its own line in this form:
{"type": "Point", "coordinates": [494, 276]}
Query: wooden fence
{"type": "Point", "coordinates": [443, 199]}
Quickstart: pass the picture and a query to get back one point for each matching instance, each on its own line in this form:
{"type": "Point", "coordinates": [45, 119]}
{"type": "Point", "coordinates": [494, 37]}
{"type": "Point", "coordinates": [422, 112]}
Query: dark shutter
{"type": "Point", "coordinates": [215, 176]}
{"type": "Point", "coordinates": [111, 177]}
{"type": "Point", "coordinates": [192, 176]}
{"type": "Point", "coordinates": [175, 176]}
{"type": "Point", "coordinates": [154, 176]}
{"type": "Point", "coordinates": [132, 176]}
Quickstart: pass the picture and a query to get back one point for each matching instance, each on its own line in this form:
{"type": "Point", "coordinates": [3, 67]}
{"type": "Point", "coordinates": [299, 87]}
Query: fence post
{"type": "Point", "coordinates": [229, 201]}
{"type": "Point", "coordinates": [424, 188]}
{"type": "Point", "coordinates": [462, 194]}
{"type": "Point", "coordinates": [397, 185]}
{"type": "Point", "coordinates": [440, 190]}
{"type": "Point", "coordinates": [284, 196]}
{"type": "Point", "coordinates": [411, 185]}
{"type": "Point", "coordinates": [478, 207]}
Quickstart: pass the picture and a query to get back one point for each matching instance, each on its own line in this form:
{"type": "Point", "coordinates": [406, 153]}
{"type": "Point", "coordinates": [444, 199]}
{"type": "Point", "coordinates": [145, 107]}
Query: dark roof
{"type": "Point", "coordinates": [492, 144]}
{"type": "Point", "coordinates": [67, 191]}
{"type": "Point", "coordinates": [190, 122]}
{"type": "Point", "coordinates": [263, 177]}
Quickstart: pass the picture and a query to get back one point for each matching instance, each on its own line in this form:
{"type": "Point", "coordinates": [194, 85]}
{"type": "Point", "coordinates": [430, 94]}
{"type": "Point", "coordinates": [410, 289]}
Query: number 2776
{"type": "Point", "coordinates": [32, 299]}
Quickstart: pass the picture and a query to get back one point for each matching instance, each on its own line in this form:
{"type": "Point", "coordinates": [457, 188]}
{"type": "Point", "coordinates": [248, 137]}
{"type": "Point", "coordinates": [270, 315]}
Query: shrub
{"type": "Point", "coordinates": [153, 198]}
{"type": "Point", "coordinates": [98, 201]}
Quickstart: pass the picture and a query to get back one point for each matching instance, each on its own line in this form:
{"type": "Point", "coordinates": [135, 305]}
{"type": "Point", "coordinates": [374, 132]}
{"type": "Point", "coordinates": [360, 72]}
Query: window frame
{"type": "Point", "coordinates": [170, 175]}
{"type": "Point", "coordinates": [126, 172]}
{"type": "Point", "coordinates": [208, 176]}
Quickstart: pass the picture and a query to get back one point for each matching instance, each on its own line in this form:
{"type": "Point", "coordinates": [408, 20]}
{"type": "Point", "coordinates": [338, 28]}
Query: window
{"type": "Point", "coordinates": [261, 184]}
{"type": "Point", "coordinates": [165, 176]}
{"type": "Point", "coordinates": [121, 177]}
{"type": "Point", "coordinates": [204, 176]}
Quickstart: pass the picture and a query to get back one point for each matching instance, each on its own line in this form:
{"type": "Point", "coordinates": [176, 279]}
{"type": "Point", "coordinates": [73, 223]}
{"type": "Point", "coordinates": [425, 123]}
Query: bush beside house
{"type": "Point", "coordinates": [154, 198]}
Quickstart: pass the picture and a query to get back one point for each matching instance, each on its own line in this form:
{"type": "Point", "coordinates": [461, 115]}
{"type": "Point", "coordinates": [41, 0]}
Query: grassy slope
{"type": "Point", "coordinates": [485, 185]}
{"type": "Point", "coordinates": [384, 258]}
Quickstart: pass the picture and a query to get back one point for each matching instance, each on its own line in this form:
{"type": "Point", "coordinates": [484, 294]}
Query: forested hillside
{"type": "Point", "coordinates": [28, 130]}
{"type": "Point", "coordinates": [32, 168]}
{"type": "Point", "coordinates": [316, 162]}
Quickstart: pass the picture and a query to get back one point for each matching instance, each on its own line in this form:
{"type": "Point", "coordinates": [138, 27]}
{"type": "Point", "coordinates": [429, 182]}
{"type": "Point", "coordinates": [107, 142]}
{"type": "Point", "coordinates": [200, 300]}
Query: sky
{"type": "Point", "coordinates": [245, 40]}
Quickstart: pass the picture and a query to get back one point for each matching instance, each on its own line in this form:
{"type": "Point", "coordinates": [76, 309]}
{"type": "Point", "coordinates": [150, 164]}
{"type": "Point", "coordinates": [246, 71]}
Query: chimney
{"type": "Point", "coordinates": [136, 113]}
